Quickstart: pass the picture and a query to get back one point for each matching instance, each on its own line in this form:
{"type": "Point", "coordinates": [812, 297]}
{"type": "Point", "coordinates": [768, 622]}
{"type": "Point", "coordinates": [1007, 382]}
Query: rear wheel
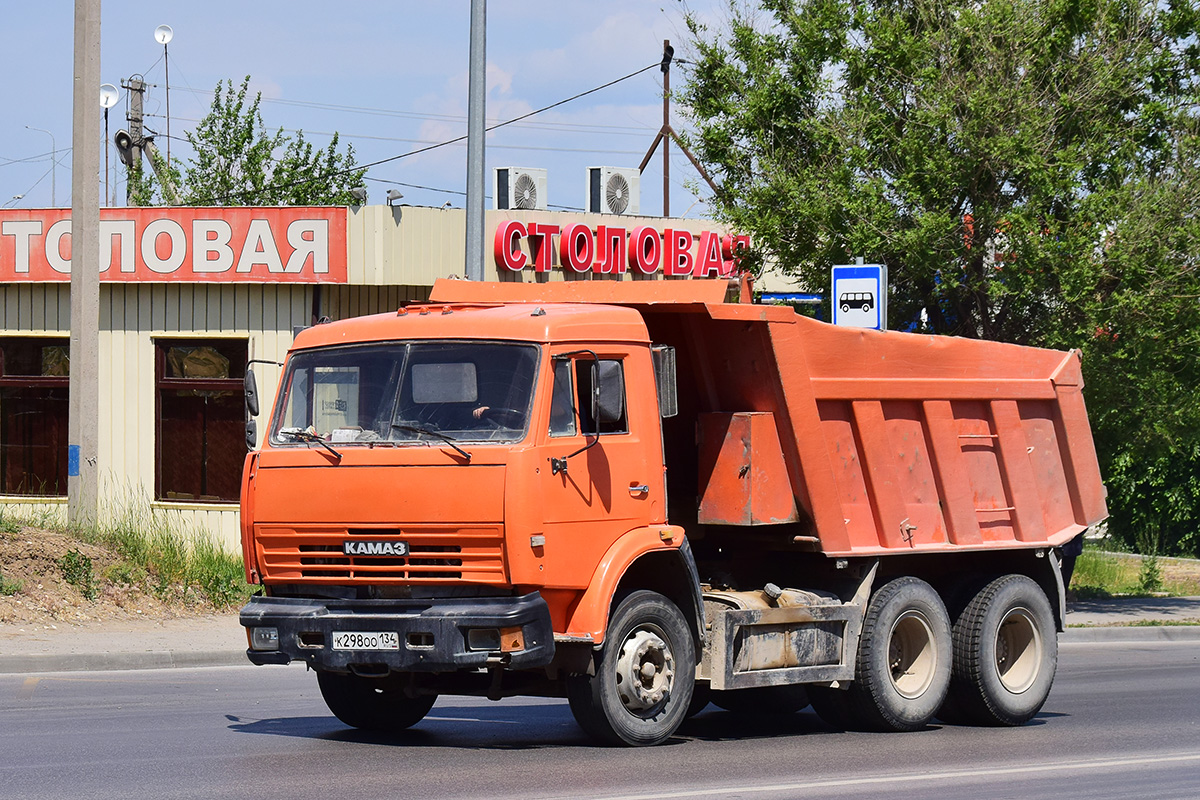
{"type": "Point", "coordinates": [904, 658]}
{"type": "Point", "coordinates": [1005, 654]}
{"type": "Point", "coordinates": [373, 704]}
{"type": "Point", "coordinates": [644, 674]}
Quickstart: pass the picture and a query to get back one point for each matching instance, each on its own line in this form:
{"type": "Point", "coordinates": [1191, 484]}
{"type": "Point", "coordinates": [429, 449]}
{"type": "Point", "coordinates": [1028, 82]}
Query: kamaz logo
{"type": "Point", "coordinates": [375, 548]}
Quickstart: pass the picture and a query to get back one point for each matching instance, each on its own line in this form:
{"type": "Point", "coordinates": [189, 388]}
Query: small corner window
{"type": "Point", "coordinates": [200, 442]}
{"type": "Point", "coordinates": [34, 375]}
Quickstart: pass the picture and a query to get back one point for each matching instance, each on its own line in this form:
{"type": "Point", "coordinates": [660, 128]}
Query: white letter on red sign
{"type": "Point", "coordinates": [211, 236]}
{"type": "Point", "coordinates": [260, 248]}
{"type": "Point", "coordinates": [178, 249]}
{"type": "Point", "coordinates": [54, 238]}
{"type": "Point", "coordinates": [644, 250]}
{"type": "Point", "coordinates": [575, 247]}
{"type": "Point", "coordinates": [708, 259]}
{"type": "Point", "coordinates": [21, 230]}
{"type": "Point", "coordinates": [507, 252]}
{"type": "Point", "coordinates": [309, 237]}
{"type": "Point", "coordinates": [677, 252]}
{"type": "Point", "coordinates": [610, 250]}
{"type": "Point", "coordinates": [542, 244]}
{"type": "Point", "coordinates": [117, 233]}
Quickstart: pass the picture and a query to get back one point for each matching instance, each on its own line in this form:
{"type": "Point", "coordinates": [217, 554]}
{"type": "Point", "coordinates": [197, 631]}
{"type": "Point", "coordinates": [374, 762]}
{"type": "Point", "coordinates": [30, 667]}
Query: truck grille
{"type": "Point", "coordinates": [472, 555]}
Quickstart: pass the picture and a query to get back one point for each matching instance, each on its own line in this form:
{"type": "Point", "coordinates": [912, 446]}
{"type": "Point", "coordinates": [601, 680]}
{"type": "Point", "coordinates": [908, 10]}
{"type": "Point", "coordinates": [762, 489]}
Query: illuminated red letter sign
{"type": "Point", "coordinates": [575, 247]}
{"type": "Point", "coordinates": [644, 251]}
{"type": "Point", "coordinates": [508, 253]}
{"type": "Point", "coordinates": [677, 252]}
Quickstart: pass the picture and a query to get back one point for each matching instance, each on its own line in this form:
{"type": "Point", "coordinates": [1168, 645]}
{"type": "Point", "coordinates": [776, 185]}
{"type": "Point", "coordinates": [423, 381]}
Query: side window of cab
{"type": "Point", "coordinates": [575, 406]}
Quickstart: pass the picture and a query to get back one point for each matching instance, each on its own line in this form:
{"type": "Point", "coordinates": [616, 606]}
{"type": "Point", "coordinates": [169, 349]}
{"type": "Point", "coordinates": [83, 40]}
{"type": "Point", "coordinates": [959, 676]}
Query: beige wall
{"type": "Point", "coordinates": [132, 316]}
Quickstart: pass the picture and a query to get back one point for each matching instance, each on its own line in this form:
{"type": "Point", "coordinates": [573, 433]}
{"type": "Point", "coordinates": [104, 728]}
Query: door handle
{"type": "Point", "coordinates": [638, 488]}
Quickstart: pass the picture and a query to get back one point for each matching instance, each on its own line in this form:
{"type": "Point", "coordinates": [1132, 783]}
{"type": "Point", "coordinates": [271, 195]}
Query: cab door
{"type": "Point", "coordinates": [603, 473]}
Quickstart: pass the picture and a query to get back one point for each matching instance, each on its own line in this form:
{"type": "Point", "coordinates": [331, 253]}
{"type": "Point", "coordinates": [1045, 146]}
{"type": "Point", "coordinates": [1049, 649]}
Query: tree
{"type": "Point", "coordinates": [1027, 169]}
{"type": "Point", "coordinates": [237, 162]}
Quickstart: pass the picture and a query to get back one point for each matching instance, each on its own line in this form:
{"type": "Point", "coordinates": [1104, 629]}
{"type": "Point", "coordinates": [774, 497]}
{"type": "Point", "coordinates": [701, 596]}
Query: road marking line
{"type": "Point", "coordinates": [949, 775]}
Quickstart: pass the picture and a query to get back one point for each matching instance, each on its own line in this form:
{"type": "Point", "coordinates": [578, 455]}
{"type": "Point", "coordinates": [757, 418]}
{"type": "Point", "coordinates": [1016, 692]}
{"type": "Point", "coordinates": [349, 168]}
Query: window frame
{"type": "Point", "coordinates": [20, 381]}
{"type": "Point", "coordinates": [163, 383]}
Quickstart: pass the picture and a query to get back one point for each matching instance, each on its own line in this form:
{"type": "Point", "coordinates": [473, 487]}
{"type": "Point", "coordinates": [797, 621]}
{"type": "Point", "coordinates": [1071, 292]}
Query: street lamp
{"type": "Point", "coordinates": [53, 163]}
{"type": "Point", "coordinates": [108, 99]}
{"type": "Point", "coordinates": [163, 35]}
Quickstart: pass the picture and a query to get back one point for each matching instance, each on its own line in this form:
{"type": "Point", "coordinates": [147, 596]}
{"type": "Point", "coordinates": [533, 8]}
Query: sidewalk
{"type": "Point", "coordinates": [220, 641]}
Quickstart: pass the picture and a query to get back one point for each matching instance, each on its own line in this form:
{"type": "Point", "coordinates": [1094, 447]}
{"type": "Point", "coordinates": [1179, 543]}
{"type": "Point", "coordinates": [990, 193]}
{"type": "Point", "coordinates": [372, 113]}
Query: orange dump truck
{"type": "Point", "coordinates": [643, 498]}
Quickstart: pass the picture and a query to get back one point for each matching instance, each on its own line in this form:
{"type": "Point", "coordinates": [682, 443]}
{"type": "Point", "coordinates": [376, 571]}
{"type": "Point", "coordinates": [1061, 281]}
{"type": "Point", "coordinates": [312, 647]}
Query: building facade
{"type": "Point", "coordinates": [190, 297]}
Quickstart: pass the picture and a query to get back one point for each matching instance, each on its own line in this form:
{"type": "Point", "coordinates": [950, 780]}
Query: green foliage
{"type": "Point", "coordinates": [77, 570]}
{"type": "Point", "coordinates": [9, 525]}
{"type": "Point", "coordinates": [1029, 171]}
{"type": "Point", "coordinates": [10, 587]}
{"type": "Point", "coordinates": [237, 162]}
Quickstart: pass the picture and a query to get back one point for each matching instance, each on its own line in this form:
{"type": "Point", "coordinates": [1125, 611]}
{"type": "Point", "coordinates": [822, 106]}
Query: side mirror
{"type": "Point", "coordinates": [608, 402]}
{"type": "Point", "coordinates": [664, 374]}
{"type": "Point", "coordinates": [250, 388]}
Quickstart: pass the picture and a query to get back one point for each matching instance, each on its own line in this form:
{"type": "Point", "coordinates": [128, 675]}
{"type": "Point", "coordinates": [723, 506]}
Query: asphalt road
{"type": "Point", "coordinates": [1120, 723]}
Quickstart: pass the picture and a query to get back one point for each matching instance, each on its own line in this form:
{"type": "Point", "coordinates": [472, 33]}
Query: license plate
{"type": "Point", "coordinates": [366, 640]}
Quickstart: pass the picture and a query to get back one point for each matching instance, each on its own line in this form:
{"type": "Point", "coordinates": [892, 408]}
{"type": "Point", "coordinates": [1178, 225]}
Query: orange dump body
{"type": "Point", "coordinates": [859, 442]}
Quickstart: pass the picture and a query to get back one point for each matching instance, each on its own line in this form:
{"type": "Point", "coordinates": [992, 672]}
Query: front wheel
{"type": "Point", "coordinates": [644, 674]}
{"type": "Point", "coordinates": [1005, 654]}
{"type": "Point", "coordinates": [373, 704]}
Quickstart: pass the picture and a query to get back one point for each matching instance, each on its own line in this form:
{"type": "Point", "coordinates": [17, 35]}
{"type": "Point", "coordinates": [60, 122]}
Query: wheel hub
{"type": "Point", "coordinates": [645, 671]}
{"type": "Point", "coordinates": [912, 655]}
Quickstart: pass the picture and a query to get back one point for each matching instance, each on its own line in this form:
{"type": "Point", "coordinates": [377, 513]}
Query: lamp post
{"type": "Point", "coordinates": [53, 164]}
{"type": "Point", "coordinates": [163, 35]}
{"type": "Point", "coordinates": [108, 99]}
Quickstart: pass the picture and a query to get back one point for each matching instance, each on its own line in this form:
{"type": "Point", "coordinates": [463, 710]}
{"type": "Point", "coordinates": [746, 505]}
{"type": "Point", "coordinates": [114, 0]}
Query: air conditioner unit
{"type": "Point", "coordinates": [519, 187]}
{"type": "Point", "coordinates": [614, 190]}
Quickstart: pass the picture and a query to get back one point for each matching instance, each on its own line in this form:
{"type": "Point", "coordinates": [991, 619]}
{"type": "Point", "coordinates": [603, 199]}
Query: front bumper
{"type": "Point", "coordinates": [432, 632]}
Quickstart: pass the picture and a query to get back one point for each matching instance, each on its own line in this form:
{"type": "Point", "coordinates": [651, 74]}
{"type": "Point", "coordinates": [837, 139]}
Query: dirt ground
{"type": "Point", "coordinates": [32, 558]}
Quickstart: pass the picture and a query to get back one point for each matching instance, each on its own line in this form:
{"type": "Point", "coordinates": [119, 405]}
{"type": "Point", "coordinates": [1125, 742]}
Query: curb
{"type": "Point", "coordinates": [1131, 633]}
{"type": "Point", "coordinates": [95, 662]}
{"type": "Point", "coordinates": [177, 659]}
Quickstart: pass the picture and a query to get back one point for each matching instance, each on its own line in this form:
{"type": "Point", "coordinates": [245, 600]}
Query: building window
{"type": "Point", "coordinates": [33, 416]}
{"type": "Point", "coordinates": [201, 441]}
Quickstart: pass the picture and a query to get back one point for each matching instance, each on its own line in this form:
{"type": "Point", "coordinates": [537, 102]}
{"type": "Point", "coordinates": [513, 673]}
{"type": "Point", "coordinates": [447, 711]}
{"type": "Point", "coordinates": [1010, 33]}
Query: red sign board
{"type": "Point", "coordinates": [182, 245]}
{"type": "Point", "coordinates": [613, 249]}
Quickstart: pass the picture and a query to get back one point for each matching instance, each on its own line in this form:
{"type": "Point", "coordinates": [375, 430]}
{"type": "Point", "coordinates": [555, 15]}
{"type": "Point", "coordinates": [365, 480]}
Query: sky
{"type": "Point", "coordinates": [389, 77]}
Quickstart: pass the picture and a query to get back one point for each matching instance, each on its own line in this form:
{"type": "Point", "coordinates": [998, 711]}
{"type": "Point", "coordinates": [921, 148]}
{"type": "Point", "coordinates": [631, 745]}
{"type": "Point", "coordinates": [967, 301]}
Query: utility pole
{"type": "Point", "coordinates": [137, 88]}
{"type": "Point", "coordinates": [666, 133]}
{"type": "Point", "coordinates": [83, 413]}
{"type": "Point", "coordinates": [476, 97]}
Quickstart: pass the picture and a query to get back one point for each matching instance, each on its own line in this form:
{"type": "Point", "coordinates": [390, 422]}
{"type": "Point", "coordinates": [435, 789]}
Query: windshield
{"type": "Point", "coordinates": [406, 392]}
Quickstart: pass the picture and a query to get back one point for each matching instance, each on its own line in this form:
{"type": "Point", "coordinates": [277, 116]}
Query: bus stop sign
{"type": "Point", "coordinates": [859, 296]}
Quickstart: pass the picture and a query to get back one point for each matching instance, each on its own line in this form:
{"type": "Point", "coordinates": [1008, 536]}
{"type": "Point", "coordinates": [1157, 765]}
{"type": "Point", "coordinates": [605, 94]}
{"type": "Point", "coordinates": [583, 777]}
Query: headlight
{"type": "Point", "coordinates": [264, 638]}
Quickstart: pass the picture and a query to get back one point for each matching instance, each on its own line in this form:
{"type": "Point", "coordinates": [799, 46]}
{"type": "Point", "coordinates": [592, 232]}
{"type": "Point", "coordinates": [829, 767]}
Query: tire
{"type": "Point", "coordinates": [904, 660]}
{"type": "Point", "coordinates": [764, 701]}
{"type": "Point", "coordinates": [845, 308]}
{"type": "Point", "coordinates": [372, 704]}
{"type": "Point", "coordinates": [866, 308]}
{"type": "Point", "coordinates": [644, 677]}
{"type": "Point", "coordinates": [1005, 654]}
{"type": "Point", "coordinates": [833, 707]}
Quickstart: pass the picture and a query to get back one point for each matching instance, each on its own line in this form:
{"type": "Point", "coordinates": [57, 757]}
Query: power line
{"type": "Point", "coordinates": [622, 130]}
{"type": "Point", "coordinates": [426, 149]}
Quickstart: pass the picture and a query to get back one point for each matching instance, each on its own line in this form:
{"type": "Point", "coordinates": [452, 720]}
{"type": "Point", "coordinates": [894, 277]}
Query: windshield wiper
{"type": "Point", "coordinates": [437, 434]}
{"type": "Point", "coordinates": [309, 434]}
